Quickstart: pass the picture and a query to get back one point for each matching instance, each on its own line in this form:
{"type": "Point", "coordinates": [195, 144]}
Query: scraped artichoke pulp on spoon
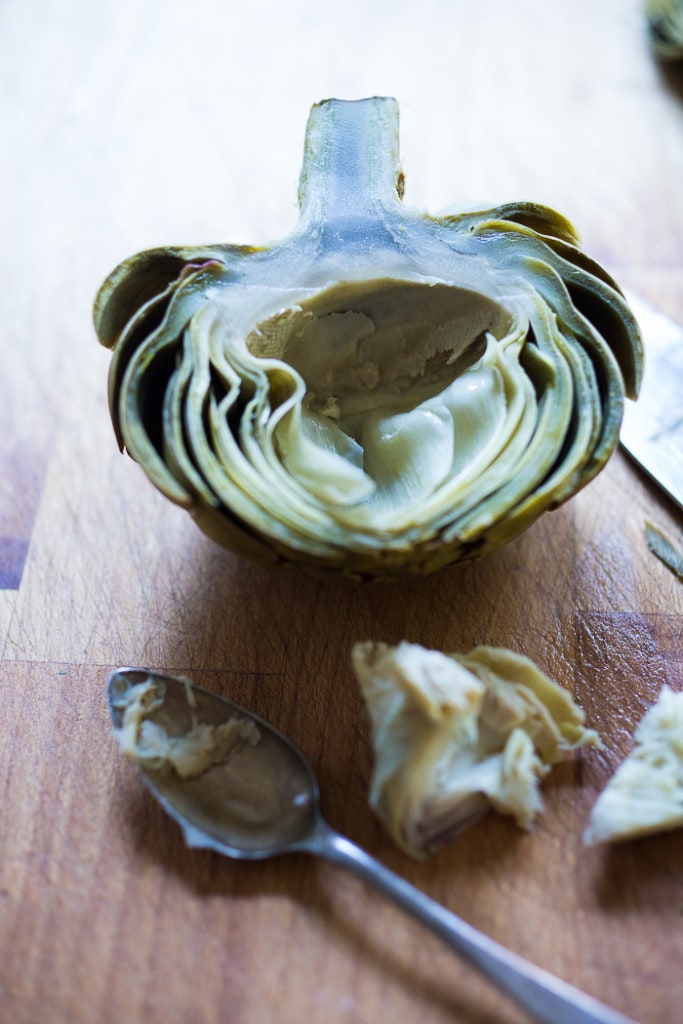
{"type": "Point", "coordinates": [383, 392]}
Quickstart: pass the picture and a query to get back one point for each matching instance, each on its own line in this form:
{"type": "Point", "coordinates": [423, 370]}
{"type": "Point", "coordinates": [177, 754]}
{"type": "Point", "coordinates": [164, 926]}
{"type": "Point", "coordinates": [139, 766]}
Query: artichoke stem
{"type": "Point", "coordinates": [351, 168]}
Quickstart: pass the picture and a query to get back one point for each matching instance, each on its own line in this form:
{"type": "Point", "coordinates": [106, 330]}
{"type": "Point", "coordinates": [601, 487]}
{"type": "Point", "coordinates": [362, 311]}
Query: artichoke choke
{"type": "Point", "coordinates": [383, 392]}
{"type": "Point", "coordinates": [645, 794]}
{"type": "Point", "coordinates": [456, 735]}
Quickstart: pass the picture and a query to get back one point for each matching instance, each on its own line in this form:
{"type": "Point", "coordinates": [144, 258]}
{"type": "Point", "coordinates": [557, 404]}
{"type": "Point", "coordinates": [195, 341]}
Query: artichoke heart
{"type": "Point", "coordinates": [383, 392]}
{"type": "Point", "coordinates": [457, 735]}
{"type": "Point", "coordinates": [645, 794]}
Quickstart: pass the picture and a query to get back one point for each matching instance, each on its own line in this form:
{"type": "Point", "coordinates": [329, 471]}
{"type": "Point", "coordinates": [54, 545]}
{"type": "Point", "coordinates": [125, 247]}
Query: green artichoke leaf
{"type": "Point", "coordinates": [383, 392]}
{"type": "Point", "coordinates": [665, 26]}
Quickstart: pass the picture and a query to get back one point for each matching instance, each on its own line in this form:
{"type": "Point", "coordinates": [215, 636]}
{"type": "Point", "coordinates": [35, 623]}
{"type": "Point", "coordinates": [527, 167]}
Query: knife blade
{"type": "Point", "coordinates": [652, 428]}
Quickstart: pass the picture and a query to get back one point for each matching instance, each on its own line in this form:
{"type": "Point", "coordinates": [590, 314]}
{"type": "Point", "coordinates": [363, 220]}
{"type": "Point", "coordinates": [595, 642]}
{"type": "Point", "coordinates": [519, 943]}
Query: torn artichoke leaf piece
{"type": "Point", "coordinates": [455, 736]}
{"type": "Point", "coordinates": [645, 794]}
{"type": "Point", "coordinates": [381, 393]}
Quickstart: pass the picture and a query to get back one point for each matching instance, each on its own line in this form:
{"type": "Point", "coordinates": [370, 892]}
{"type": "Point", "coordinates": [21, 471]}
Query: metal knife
{"type": "Point", "coordinates": [652, 429]}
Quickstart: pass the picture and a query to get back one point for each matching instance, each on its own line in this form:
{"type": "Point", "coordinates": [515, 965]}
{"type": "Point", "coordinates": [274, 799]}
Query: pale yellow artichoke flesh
{"type": "Point", "coordinates": [382, 393]}
{"type": "Point", "coordinates": [202, 747]}
{"type": "Point", "coordinates": [457, 735]}
{"type": "Point", "coordinates": [645, 794]}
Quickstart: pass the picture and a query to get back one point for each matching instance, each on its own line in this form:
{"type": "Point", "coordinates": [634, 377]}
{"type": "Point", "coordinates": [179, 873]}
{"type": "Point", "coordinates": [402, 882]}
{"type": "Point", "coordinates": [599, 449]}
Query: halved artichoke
{"type": "Point", "coordinates": [383, 392]}
{"type": "Point", "coordinates": [665, 25]}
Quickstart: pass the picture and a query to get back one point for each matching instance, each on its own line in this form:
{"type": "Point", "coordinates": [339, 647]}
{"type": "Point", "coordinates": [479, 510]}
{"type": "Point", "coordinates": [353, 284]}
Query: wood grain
{"type": "Point", "coordinates": [128, 125]}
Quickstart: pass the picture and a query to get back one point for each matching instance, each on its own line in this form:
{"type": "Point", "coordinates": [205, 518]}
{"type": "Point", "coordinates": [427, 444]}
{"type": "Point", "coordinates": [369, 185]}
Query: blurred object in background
{"type": "Point", "coordinates": [665, 24]}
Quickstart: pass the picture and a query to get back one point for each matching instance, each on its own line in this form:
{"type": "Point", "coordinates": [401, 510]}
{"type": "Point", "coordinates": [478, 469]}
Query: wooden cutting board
{"type": "Point", "coordinates": [130, 125]}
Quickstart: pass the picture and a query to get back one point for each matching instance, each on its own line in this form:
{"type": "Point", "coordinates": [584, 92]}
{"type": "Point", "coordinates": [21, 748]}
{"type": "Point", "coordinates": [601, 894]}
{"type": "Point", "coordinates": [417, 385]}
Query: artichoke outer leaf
{"type": "Point", "coordinates": [383, 392]}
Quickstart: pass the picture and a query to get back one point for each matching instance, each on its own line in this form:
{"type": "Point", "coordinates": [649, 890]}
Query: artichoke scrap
{"type": "Point", "coordinates": [147, 743]}
{"type": "Point", "coordinates": [645, 794]}
{"type": "Point", "coordinates": [382, 393]}
{"type": "Point", "coordinates": [455, 736]}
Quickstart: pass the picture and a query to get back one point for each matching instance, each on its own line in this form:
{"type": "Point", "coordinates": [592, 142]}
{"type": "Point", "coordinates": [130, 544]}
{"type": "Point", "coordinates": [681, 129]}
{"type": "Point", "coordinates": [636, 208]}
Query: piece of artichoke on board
{"type": "Point", "coordinates": [383, 392]}
{"type": "Point", "coordinates": [457, 735]}
{"type": "Point", "coordinates": [645, 794]}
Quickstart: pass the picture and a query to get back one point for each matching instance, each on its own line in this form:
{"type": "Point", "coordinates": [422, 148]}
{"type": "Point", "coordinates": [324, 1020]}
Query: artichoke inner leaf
{"type": "Point", "coordinates": [212, 445]}
{"type": "Point", "coordinates": [391, 461]}
{"type": "Point", "coordinates": [178, 409]}
{"type": "Point", "coordinates": [396, 402]}
{"type": "Point", "coordinates": [326, 460]}
{"type": "Point", "coordinates": [242, 466]}
{"type": "Point", "coordinates": [555, 403]}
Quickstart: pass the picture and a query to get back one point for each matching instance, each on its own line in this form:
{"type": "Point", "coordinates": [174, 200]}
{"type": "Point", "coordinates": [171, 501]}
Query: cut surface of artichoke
{"type": "Point", "coordinates": [645, 794]}
{"type": "Point", "coordinates": [457, 735]}
{"type": "Point", "coordinates": [383, 392]}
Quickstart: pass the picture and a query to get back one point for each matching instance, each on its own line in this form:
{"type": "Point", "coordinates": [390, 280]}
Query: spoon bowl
{"type": "Point", "coordinates": [261, 801]}
{"type": "Point", "coordinates": [237, 785]}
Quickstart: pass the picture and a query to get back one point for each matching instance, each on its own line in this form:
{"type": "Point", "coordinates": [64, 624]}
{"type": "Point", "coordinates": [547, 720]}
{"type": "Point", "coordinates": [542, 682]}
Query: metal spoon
{"type": "Point", "coordinates": [260, 799]}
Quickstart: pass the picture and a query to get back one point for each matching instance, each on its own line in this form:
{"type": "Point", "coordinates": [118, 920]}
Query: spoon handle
{"type": "Point", "coordinates": [547, 998]}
